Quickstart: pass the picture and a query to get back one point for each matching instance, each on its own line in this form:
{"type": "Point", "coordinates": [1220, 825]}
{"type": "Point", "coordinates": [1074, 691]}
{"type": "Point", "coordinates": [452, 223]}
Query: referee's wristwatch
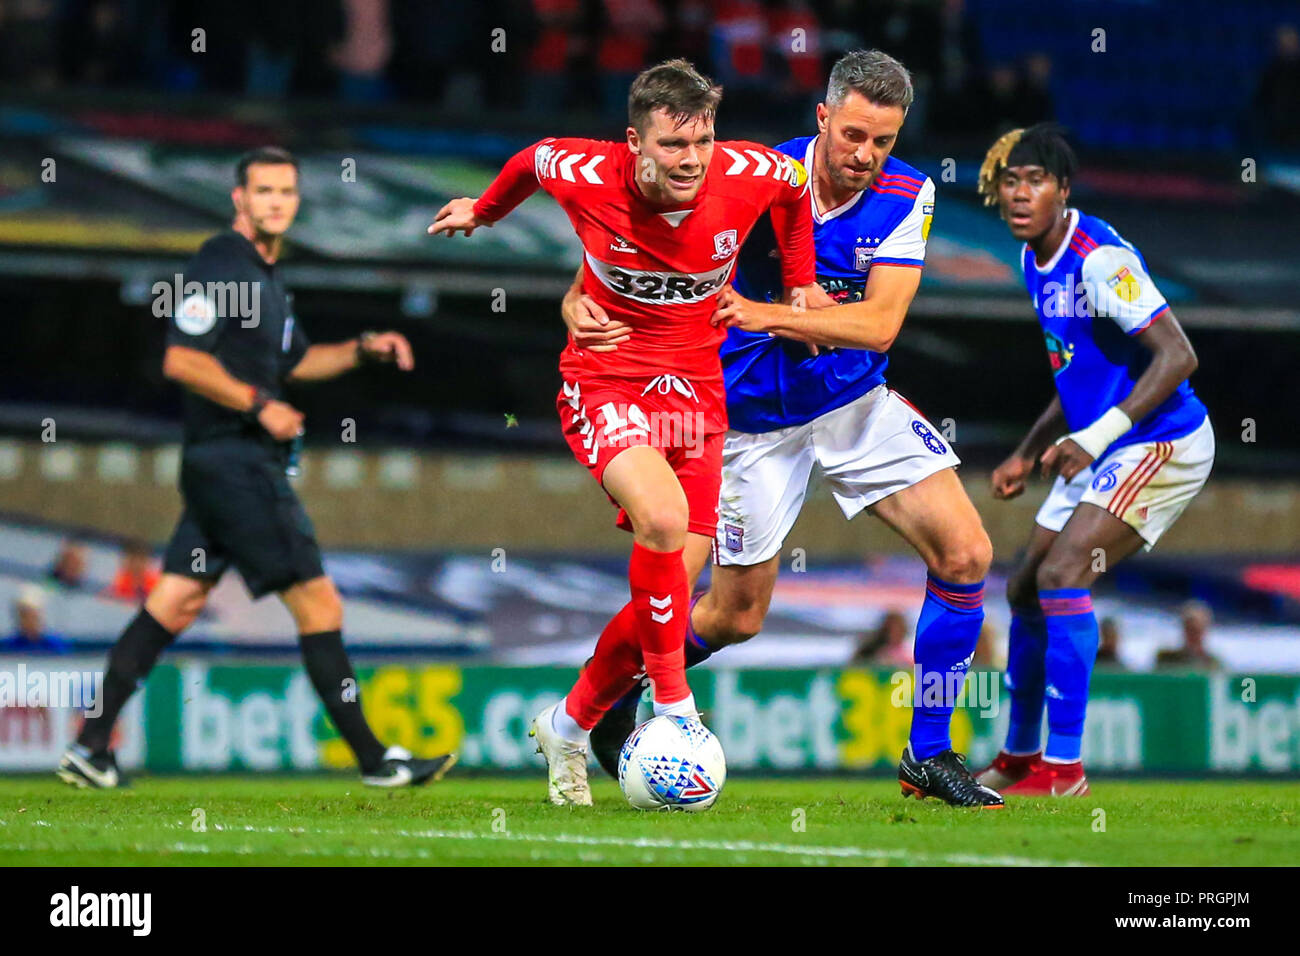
{"type": "Point", "coordinates": [364, 354]}
{"type": "Point", "coordinates": [260, 399]}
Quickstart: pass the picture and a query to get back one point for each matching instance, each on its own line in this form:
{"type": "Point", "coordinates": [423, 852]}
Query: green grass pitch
{"type": "Point", "coordinates": [243, 821]}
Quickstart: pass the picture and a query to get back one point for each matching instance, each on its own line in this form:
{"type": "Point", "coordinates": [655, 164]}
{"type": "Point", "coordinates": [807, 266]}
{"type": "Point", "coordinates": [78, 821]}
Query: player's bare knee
{"type": "Point", "coordinates": [967, 563]}
{"type": "Point", "coordinates": [187, 614]}
{"type": "Point", "coordinates": [315, 606]}
{"type": "Point", "coordinates": [663, 527]}
{"type": "Point", "coordinates": [176, 601]}
{"type": "Point", "coordinates": [325, 613]}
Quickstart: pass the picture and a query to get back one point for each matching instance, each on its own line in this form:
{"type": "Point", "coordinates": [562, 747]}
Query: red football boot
{"type": "Point", "coordinates": [1007, 769]}
{"type": "Point", "coordinates": [1052, 780]}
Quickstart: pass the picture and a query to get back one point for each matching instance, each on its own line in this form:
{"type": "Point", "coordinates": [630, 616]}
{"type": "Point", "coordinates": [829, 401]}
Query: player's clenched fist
{"type": "Point", "coordinates": [590, 325]}
{"type": "Point", "coordinates": [1009, 477]}
{"type": "Point", "coordinates": [281, 420]}
{"type": "Point", "coordinates": [457, 216]}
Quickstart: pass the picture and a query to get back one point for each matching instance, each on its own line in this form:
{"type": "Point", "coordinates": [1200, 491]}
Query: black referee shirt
{"type": "Point", "coordinates": [243, 315]}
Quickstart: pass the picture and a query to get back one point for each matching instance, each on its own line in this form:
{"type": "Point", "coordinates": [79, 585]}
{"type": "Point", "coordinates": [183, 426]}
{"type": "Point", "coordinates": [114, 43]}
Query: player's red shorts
{"type": "Point", "coordinates": [602, 417]}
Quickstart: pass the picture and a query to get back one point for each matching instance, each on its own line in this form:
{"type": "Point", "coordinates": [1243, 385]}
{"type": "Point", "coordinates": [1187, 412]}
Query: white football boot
{"type": "Point", "coordinates": [566, 763]}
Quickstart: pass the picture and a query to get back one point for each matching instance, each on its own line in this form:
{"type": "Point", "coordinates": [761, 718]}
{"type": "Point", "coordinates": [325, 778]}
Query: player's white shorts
{"type": "Point", "coordinates": [1146, 486]}
{"type": "Point", "coordinates": [867, 450]}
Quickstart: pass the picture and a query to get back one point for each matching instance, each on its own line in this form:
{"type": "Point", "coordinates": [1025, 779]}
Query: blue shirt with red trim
{"type": "Point", "coordinates": [776, 383]}
{"type": "Point", "coordinates": [1092, 297]}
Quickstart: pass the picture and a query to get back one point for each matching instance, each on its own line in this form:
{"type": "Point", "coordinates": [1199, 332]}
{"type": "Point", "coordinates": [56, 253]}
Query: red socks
{"type": "Point", "coordinates": [649, 632]}
{"type": "Point", "coordinates": [662, 602]}
{"type": "Point", "coordinates": [610, 674]}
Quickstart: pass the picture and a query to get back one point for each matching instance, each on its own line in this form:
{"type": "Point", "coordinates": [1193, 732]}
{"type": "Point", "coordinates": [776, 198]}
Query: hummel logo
{"type": "Point", "coordinates": [1052, 692]}
{"type": "Point", "coordinates": [663, 602]}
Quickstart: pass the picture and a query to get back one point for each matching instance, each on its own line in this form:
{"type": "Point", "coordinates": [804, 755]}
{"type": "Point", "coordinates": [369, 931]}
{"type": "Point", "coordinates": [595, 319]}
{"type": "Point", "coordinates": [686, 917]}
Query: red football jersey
{"type": "Point", "coordinates": [659, 268]}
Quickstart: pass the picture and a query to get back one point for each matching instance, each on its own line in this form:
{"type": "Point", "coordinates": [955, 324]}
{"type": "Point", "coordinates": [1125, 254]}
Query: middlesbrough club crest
{"type": "Point", "coordinates": [725, 244]}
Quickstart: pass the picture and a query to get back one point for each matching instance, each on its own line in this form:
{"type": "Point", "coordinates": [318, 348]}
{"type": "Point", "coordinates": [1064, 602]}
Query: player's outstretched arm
{"type": "Point", "coordinates": [589, 325]}
{"type": "Point", "coordinates": [202, 373]}
{"type": "Point", "coordinates": [457, 216]}
{"type": "Point", "coordinates": [515, 183]}
{"type": "Point", "coordinates": [326, 361]}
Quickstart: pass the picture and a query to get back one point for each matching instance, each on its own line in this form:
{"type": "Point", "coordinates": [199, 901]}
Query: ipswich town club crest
{"type": "Point", "coordinates": [735, 538]}
{"type": "Point", "coordinates": [725, 244]}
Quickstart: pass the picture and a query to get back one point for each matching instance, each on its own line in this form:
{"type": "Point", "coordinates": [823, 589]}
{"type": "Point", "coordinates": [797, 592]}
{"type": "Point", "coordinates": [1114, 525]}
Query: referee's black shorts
{"type": "Point", "coordinates": [240, 510]}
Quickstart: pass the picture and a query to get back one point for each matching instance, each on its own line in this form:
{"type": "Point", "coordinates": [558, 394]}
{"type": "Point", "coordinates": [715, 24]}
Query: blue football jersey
{"type": "Point", "coordinates": [774, 382]}
{"type": "Point", "coordinates": [1092, 298]}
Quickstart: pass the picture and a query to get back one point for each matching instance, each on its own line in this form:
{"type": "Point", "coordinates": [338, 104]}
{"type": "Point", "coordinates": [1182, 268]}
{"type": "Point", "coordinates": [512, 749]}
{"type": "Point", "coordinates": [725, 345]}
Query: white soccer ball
{"type": "Point", "coordinates": [672, 763]}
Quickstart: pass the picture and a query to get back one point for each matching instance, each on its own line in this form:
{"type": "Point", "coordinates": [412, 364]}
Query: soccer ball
{"type": "Point", "coordinates": [672, 763]}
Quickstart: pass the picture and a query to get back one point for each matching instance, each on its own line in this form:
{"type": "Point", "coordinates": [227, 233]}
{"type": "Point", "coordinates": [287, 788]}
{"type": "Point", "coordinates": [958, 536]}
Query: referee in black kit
{"type": "Point", "coordinates": [232, 347]}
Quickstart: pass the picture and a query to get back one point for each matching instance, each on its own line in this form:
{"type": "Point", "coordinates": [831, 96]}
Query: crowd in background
{"type": "Point", "coordinates": [137, 574]}
{"type": "Point", "coordinates": [550, 55]}
{"type": "Point", "coordinates": [545, 56]}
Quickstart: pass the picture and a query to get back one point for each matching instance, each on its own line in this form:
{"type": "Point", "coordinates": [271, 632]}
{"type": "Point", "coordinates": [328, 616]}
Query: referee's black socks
{"type": "Point", "coordinates": [129, 663]}
{"type": "Point", "coordinates": [335, 682]}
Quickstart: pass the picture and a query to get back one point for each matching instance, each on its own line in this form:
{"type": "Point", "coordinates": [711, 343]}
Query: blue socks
{"type": "Point", "coordinates": [696, 650]}
{"type": "Point", "coordinates": [946, 635]}
{"type": "Point", "coordinates": [1071, 651]}
{"type": "Point", "coordinates": [1026, 650]}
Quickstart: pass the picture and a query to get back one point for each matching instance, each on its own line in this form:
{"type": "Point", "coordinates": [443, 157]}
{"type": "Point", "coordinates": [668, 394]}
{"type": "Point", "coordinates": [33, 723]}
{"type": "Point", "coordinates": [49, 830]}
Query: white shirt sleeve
{"type": "Point", "coordinates": [906, 244]}
{"type": "Point", "coordinates": [1119, 288]}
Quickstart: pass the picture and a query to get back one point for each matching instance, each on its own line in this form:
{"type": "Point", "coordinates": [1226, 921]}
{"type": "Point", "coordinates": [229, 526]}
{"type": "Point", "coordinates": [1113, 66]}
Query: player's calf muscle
{"type": "Point", "coordinates": [735, 628]}
{"type": "Point", "coordinates": [736, 605]}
